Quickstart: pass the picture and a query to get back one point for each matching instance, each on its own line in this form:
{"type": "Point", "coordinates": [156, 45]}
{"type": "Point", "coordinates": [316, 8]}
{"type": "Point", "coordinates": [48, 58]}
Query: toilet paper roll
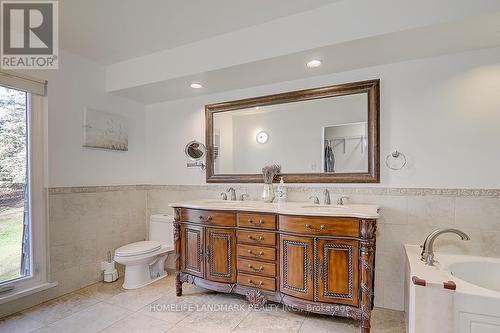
{"type": "Point", "coordinates": [108, 266]}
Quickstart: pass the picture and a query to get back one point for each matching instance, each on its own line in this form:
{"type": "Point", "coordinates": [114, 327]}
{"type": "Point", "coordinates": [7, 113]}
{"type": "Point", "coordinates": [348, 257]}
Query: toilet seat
{"type": "Point", "coordinates": [138, 248]}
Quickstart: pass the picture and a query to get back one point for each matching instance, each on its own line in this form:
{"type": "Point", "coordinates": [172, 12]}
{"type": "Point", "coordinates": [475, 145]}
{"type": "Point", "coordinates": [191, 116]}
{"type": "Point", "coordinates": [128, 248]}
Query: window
{"type": "Point", "coordinates": [23, 199]}
{"type": "Point", "coordinates": [15, 234]}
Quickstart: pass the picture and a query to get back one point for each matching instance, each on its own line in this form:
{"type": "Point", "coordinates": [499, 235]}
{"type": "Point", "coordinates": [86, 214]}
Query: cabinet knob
{"type": "Point", "coordinates": [310, 227]}
{"type": "Point", "coordinates": [207, 219]}
{"type": "Point", "coordinates": [255, 284]}
{"type": "Point", "coordinates": [260, 269]}
{"type": "Point", "coordinates": [261, 253]}
{"type": "Point", "coordinates": [251, 221]}
{"type": "Point", "coordinates": [255, 239]}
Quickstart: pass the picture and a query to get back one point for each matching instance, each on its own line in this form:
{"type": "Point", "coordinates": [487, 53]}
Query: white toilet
{"type": "Point", "coordinates": [145, 261]}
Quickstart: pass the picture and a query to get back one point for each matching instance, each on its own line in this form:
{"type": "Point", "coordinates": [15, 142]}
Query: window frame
{"type": "Point", "coordinates": [37, 120]}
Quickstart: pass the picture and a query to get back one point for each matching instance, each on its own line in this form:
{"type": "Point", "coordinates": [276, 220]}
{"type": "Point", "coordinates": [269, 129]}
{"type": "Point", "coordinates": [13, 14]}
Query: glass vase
{"type": "Point", "coordinates": [268, 193]}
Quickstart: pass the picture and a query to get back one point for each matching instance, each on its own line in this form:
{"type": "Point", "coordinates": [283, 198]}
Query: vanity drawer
{"type": "Point", "coordinates": [225, 219]}
{"type": "Point", "coordinates": [257, 281]}
{"type": "Point", "coordinates": [256, 252]}
{"type": "Point", "coordinates": [261, 221]}
{"type": "Point", "coordinates": [319, 226]}
{"type": "Point", "coordinates": [256, 267]}
{"type": "Point", "coordinates": [256, 237]}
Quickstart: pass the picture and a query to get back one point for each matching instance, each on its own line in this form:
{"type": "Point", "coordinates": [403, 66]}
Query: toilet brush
{"type": "Point", "coordinates": [110, 272]}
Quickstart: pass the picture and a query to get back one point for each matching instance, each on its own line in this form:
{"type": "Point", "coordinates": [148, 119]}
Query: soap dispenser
{"type": "Point", "coordinates": [281, 192]}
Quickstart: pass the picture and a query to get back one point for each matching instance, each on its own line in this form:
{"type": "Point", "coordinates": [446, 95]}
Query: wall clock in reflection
{"type": "Point", "coordinates": [262, 137]}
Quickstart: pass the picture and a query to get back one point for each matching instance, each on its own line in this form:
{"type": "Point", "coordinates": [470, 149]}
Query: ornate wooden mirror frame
{"type": "Point", "coordinates": [371, 87]}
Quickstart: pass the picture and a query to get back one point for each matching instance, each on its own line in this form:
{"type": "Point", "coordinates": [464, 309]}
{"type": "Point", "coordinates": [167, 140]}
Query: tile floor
{"type": "Point", "coordinates": [108, 308]}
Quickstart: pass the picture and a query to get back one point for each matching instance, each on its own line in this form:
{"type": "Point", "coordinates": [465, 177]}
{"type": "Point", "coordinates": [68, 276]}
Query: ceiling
{"type": "Point", "coordinates": [476, 33]}
{"type": "Point", "coordinates": [110, 31]}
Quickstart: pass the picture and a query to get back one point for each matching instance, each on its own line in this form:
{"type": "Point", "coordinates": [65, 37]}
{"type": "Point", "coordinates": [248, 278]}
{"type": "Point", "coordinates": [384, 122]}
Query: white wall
{"type": "Point", "coordinates": [79, 83]}
{"type": "Point", "coordinates": [442, 112]}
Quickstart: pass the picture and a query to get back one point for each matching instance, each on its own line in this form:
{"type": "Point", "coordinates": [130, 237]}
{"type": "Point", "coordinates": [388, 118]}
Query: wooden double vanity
{"type": "Point", "coordinates": [314, 258]}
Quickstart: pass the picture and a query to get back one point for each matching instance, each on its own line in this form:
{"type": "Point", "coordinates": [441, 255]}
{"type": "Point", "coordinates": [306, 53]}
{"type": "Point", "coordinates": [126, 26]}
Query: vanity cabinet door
{"type": "Point", "coordinates": [296, 269]}
{"type": "Point", "coordinates": [338, 271]}
{"type": "Point", "coordinates": [221, 255]}
{"type": "Point", "coordinates": [192, 250]}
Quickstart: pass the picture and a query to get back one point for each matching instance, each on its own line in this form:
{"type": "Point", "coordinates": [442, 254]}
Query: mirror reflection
{"type": "Point", "coordinates": [324, 135]}
{"type": "Point", "coordinates": [195, 150]}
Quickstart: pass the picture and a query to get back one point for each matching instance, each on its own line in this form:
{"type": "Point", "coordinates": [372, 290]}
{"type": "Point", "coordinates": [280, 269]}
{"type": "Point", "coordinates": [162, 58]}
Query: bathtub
{"type": "Point", "coordinates": [460, 294]}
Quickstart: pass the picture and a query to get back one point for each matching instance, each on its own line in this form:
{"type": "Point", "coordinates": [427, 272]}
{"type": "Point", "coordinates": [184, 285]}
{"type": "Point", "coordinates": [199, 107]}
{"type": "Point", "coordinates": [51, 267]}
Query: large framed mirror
{"type": "Point", "coordinates": [321, 135]}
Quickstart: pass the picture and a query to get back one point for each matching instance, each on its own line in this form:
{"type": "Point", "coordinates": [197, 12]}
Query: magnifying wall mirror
{"type": "Point", "coordinates": [195, 152]}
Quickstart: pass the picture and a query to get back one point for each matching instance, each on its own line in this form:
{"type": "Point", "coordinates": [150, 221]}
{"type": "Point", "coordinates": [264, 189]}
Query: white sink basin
{"type": "Point", "coordinates": [228, 203]}
{"type": "Point", "coordinates": [480, 273]}
{"type": "Point", "coordinates": [323, 207]}
{"type": "Point", "coordinates": [222, 202]}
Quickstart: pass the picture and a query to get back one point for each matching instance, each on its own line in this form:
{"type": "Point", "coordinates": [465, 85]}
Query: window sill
{"type": "Point", "coordinates": [15, 294]}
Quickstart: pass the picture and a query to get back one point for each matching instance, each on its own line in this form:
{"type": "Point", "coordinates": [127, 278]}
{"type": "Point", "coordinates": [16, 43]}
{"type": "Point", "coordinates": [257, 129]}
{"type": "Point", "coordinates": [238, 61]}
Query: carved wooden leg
{"type": "Point", "coordinates": [256, 298]}
{"type": "Point", "coordinates": [178, 284]}
{"type": "Point", "coordinates": [177, 245]}
{"type": "Point", "coordinates": [367, 257]}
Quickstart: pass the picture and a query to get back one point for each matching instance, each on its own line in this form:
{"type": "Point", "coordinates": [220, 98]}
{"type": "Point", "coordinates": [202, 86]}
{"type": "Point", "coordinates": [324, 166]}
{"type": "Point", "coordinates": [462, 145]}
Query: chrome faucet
{"type": "Point", "coordinates": [243, 196]}
{"type": "Point", "coordinates": [233, 193]}
{"type": "Point", "coordinates": [342, 199]}
{"type": "Point", "coordinates": [428, 247]}
{"type": "Point", "coordinates": [316, 199]}
{"type": "Point", "coordinates": [327, 197]}
{"type": "Point", "coordinates": [223, 195]}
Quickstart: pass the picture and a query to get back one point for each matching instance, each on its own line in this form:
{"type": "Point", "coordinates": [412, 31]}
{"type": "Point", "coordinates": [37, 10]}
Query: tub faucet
{"type": "Point", "coordinates": [327, 197]}
{"type": "Point", "coordinates": [428, 247]}
{"type": "Point", "coordinates": [233, 193]}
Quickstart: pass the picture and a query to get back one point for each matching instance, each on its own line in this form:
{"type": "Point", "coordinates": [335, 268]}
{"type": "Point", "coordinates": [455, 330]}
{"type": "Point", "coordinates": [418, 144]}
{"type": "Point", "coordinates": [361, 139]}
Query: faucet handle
{"type": "Point", "coordinates": [316, 199]}
{"type": "Point", "coordinates": [243, 196]}
{"type": "Point", "coordinates": [223, 195]}
{"type": "Point", "coordinates": [342, 199]}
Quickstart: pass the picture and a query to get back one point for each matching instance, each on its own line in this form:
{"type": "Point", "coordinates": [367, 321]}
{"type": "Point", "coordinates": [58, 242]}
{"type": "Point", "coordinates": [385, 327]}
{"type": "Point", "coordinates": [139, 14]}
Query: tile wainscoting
{"type": "Point", "coordinates": [85, 222]}
{"type": "Point", "coordinates": [408, 215]}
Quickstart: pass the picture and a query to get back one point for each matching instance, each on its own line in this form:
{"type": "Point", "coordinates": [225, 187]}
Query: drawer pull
{"type": "Point", "coordinates": [255, 284]}
{"type": "Point", "coordinates": [321, 227]}
{"type": "Point", "coordinates": [208, 219]}
{"type": "Point", "coordinates": [261, 268]}
{"type": "Point", "coordinates": [255, 239]}
{"type": "Point", "coordinates": [251, 221]}
{"type": "Point", "coordinates": [261, 253]}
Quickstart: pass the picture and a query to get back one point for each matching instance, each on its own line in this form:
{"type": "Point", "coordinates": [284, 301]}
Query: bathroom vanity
{"type": "Point", "coordinates": [311, 257]}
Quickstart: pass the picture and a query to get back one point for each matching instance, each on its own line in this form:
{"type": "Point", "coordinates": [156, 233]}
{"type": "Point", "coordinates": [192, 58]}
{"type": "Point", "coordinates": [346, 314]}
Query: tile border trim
{"type": "Point", "coordinates": [390, 191]}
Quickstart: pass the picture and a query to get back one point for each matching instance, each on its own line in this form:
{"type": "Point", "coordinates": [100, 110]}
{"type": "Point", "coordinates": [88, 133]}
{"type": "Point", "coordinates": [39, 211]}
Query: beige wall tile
{"type": "Point", "coordinates": [431, 211]}
{"type": "Point", "coordinates": [480, 213]}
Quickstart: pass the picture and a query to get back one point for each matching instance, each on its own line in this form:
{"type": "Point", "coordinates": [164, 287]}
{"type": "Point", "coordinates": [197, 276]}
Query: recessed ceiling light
{"type": "Point", "coordinates": [195, 85]}
{"type": "Point", "coordinates": [257, 107]}
{"type": "Point", "coordinates": [314, 63]}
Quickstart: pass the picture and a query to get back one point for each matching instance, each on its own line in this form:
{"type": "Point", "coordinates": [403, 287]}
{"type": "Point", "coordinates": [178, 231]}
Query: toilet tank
{"type": "Point", "coordinates": [161, 229]}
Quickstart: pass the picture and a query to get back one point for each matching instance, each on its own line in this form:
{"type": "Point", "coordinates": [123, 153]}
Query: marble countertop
{"type": "Point", "coordinates": [285, 208]}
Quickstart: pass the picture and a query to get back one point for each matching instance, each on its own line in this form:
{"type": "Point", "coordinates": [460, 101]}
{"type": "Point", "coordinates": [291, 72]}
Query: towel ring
{"type": "Point", "coordinates": [396, 155]}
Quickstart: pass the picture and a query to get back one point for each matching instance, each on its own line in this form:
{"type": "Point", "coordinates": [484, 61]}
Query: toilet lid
{"type": "Point", "coordinates": [138, 248]}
